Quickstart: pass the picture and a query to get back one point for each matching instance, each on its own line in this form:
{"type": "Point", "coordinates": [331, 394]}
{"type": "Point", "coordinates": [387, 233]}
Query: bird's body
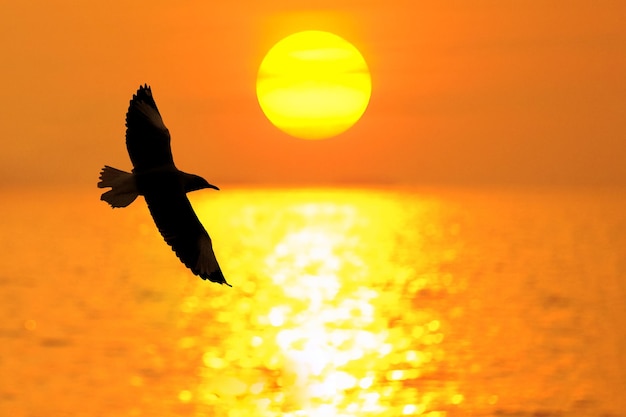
{"type": "Point", "coordinates": [163, 186]}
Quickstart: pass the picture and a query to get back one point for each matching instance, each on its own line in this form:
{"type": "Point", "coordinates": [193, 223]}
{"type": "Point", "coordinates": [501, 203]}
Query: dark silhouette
{"type": "Point", "coordinates": [163, 186]}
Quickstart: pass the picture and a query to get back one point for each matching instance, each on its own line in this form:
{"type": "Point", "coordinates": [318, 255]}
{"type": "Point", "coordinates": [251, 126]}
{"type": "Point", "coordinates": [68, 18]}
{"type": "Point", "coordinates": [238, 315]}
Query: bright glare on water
{"type": "Point", "coordinates": [344, 303]}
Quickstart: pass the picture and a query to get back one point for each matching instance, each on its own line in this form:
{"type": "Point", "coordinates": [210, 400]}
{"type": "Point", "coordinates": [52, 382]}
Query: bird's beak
{"type": "Point", "coordinates": [213, 186]}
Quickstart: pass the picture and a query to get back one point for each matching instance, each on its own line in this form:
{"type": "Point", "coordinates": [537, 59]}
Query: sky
{"type": "Point", "coordinates": [463, 92]}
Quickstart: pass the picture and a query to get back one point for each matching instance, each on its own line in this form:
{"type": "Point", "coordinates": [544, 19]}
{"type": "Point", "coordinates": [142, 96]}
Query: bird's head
{"type": "Point", "coordinates": [196, 182]}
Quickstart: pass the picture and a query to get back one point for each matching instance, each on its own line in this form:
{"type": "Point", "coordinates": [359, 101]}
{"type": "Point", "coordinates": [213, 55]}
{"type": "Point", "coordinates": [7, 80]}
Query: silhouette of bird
{"type": "Point", "coordinates": [163, 186]}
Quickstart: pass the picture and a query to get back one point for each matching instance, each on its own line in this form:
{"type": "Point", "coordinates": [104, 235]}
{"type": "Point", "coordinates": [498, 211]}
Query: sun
{"type": "Point", "coordinates": [313, 85]}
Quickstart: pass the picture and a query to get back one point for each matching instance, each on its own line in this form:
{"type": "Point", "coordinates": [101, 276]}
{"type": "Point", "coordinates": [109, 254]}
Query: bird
{"type": "Point", "coordinates": [163, 186]}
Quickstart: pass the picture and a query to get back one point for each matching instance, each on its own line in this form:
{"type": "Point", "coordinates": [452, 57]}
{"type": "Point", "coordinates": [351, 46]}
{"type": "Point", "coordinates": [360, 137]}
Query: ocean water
{"type": "Point", "coordinates": [345, 302]}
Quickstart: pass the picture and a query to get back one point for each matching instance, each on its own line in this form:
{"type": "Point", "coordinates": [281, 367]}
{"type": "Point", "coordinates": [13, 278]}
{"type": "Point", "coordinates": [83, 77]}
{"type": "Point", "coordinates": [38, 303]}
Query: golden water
{"type": "Point", "coordinates": [345, 302]}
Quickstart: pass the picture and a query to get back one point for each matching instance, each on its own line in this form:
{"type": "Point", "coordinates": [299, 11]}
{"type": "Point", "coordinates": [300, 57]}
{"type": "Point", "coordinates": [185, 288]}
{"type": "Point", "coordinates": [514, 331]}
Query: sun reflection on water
{"type": "Point", "coordinates": [325, 322]}
{"type": "Point", "coordinates": [345, 303]}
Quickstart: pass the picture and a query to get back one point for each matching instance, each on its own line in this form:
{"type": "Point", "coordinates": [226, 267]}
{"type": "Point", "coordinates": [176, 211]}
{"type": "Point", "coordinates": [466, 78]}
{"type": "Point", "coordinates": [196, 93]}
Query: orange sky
{"type": "Point", "coordinates": [463, 91]}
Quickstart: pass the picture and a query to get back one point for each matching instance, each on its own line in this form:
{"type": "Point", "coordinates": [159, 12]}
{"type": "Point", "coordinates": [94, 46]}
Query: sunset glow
{"type": "Point", "coordinates": [421, 208]}
{"type": "Point", "coordinates": [313, 85]}
{"type": "Point", "coordinates": [476, 94]}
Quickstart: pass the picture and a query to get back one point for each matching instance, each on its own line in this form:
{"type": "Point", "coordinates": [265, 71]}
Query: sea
{"type": "Point", "coordinates": [346, 302]}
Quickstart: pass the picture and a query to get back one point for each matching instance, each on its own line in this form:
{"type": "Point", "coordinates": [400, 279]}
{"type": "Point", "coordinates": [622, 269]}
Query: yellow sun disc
{"type": "Point", "coordinates": [313, 85]}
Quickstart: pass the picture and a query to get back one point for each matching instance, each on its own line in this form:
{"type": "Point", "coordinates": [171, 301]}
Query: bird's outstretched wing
{"type": "Point", "coordinates": [181, 229]}
{"type": "Point", "coordinates": [147, 138]}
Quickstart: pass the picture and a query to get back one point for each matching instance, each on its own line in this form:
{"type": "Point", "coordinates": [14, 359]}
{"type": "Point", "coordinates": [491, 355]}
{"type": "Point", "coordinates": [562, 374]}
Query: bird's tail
{"type": "Point", "coordinates": [123, 188]}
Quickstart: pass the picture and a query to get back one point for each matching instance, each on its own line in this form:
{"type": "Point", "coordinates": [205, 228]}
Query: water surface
{"type": "Point", "coordinates": [345, 302]}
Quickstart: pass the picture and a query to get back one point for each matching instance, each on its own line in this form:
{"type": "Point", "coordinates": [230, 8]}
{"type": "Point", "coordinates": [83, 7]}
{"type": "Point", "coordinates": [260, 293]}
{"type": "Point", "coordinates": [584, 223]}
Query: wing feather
{"type": "Point", "coordinates": [180, 227]}
{"type": "Point", "coordinates": [147, 138]}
